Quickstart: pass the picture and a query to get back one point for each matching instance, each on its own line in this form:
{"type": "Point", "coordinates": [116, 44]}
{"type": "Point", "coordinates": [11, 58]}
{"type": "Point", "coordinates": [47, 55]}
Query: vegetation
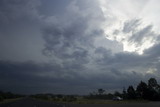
{"type": "Point", "coordinates": [8, 95]}
{"type": "Point", "coordinates": [56, 97]}
{"type": "Point", "coordinates": [143, 91]}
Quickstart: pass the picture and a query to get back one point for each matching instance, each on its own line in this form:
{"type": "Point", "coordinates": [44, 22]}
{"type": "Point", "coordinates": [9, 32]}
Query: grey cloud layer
{"type": "Point", "coordinates": [81, 58]}
{"type": "Point", "coordinates": [72, 44]}
{"type": "Point", "coordinates": [20, 33]}
{"type": "Point", "coordinates": [29, 77]}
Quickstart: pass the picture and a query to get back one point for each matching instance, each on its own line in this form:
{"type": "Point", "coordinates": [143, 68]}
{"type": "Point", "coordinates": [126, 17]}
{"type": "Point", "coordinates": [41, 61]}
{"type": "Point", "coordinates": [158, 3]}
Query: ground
{"type": "Point", "coordinates": [29, 102]}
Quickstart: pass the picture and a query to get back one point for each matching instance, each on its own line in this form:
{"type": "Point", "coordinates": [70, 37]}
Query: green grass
{"type": "Point", "coordinates": [81, 100]}
{"type": "Point", "coordinates": [9, 100]}
{"type": "Point", "coordinates": [97, 101]}
{"type": "Point", "coordinates": [85, 101]}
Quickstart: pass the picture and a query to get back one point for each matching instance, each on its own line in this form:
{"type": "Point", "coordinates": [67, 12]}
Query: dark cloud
{"type": "Point", "coordinates": [71, 45]}
{"type": "Point", "coordinates": [34, 77]}
{"type": "Point", "coordinates": [72, 40]}
{"type": "Point", "coordinates": [153, 51]}
{"type": "Point", "coordinates": [80, 58]}
{"type": "Point", "coordinates": [18, 14]}
{"type": "Point", "coordinates": [30, 77]}
{"type": "Point", "coordinates": [17, 9]}
{"type": "Point", "coordinates": [20, 36]}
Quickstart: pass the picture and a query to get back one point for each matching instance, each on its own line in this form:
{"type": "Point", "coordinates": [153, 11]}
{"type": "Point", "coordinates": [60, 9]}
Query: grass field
{"type": "Point", "coordinates": [9, 100]}
{"type": "Point", "coordinates": [30, 102]}
{"type": "Point", "coordinates": [138, 104]}
{"type": "Point", "coordinates": [110, 103]}
{"type": "Point", "coordinates": [98, 101]}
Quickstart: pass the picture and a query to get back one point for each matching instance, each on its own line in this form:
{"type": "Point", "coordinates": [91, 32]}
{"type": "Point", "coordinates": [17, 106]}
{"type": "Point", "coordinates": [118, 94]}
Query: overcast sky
{"type": "Point", "coordinates": [78, 46]}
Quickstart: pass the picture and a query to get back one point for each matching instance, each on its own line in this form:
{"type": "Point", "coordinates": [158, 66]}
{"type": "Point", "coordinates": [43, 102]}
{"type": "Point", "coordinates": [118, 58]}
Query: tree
{"type": "Point", "coordinates": [124, 93]}
{"type": "Point", "coordinates": [153, 88]}
{"type": "Point", "coordinates": [142, 90]}
{"type": "Point", "coordinates": [131, 92]}
{"type": "Point", "coordinates": [152, 83]}
{"type": "Point", "coordinates": [101, 91]}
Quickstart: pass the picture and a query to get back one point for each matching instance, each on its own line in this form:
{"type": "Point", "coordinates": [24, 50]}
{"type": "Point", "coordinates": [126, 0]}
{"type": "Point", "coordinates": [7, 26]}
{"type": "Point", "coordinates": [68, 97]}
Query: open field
{"type": "Point", "coordinates": [149, 104]}
{"type": "Point", "coordinates": [29, 102]}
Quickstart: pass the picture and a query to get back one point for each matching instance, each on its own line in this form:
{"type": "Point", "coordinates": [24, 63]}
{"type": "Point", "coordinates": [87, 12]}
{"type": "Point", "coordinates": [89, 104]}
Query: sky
{"type": "Point", "coordinates": [78, 46]}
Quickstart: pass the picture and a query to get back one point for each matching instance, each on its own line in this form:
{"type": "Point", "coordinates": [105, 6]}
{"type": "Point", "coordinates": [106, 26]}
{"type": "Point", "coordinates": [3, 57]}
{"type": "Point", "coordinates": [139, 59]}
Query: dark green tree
{"type": "Point", "coordinates": [101, 91]}
{"type": "Point", "coordinates": [153, 89]}
{"type": "Point", "coordinates": [131, 94]}
{"type": "Point", "coordinates": [124, 94]}
{"type": "Point", "coordinates": [152, 83]}
{"type": "Point", "coordinates": [142, 90]}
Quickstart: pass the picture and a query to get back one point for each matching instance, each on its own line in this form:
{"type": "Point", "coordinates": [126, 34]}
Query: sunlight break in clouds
{"type": "Point", "coordinates": [127, 25]}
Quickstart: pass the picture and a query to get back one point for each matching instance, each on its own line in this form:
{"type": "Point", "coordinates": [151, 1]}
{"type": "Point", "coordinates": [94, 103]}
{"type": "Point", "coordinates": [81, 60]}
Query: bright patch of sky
{"type": "Point", "coordinates": [121, 11]}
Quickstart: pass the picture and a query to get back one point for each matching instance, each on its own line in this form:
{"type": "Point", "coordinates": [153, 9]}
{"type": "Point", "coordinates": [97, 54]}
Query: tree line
{"type": "Point", "coordinates": [144, 91]}
{"type": "Point", "coordinates": [8, 95]}
{"type": "Point", "coordinates": [147, 91]}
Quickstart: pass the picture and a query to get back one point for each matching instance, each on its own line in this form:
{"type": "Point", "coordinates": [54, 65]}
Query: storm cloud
{"type": "Point", "coordinates": [75, 49]}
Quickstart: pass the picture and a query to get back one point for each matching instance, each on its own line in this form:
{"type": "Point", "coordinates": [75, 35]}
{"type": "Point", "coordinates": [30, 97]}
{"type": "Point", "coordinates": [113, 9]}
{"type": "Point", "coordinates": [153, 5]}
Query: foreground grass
{"type": "Point", "coordinates": [83, 101]}
{"type": "Point", "coordinates": [9, 100]}
{"type": "Point", "coordinates": [87, 101]}
{"type": "Point", "coordinates": [97, 101]}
